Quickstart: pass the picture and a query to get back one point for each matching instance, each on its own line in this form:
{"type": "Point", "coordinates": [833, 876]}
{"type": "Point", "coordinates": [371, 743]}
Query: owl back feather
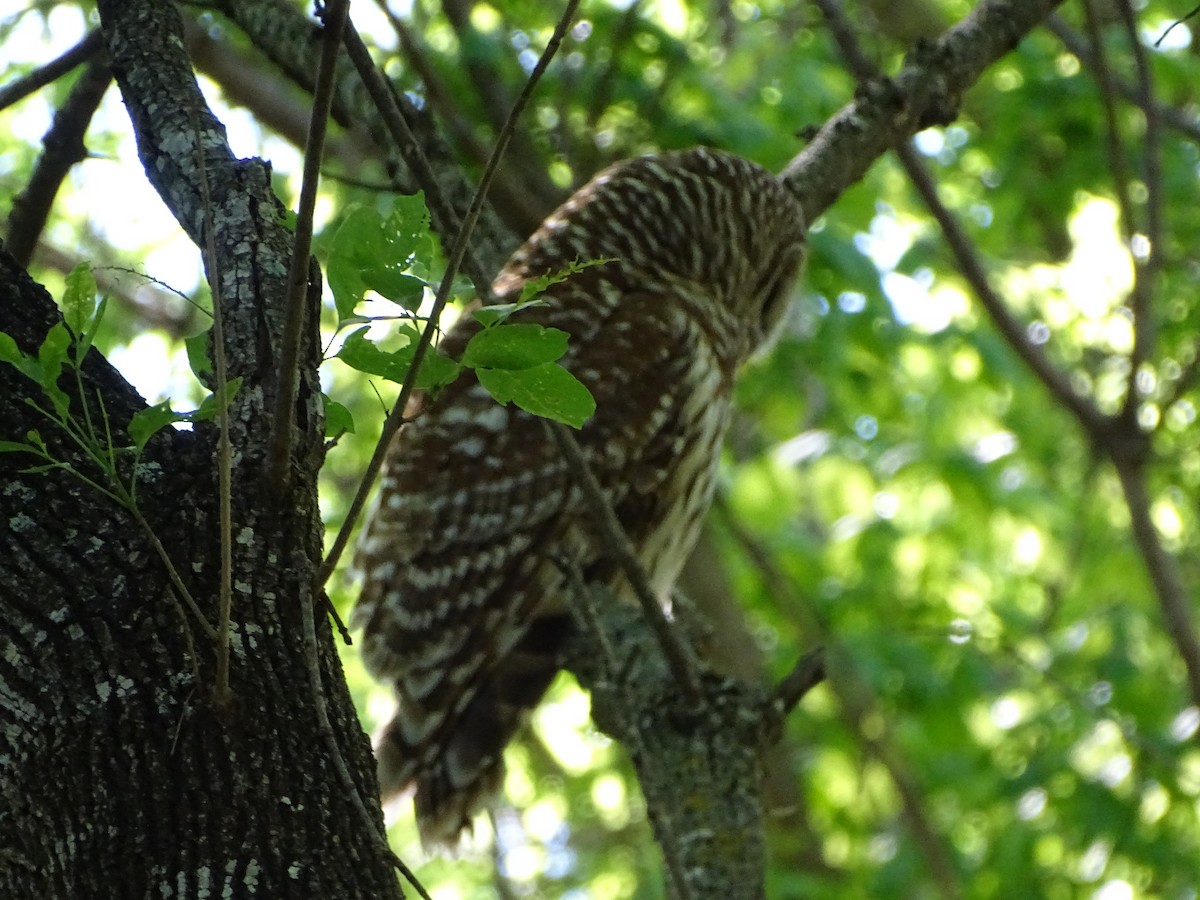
{"type": "Point", "coordinates": [463, 605]}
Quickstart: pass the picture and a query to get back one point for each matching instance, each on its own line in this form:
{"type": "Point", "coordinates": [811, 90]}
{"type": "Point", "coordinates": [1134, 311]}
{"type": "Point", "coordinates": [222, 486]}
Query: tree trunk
{"type": "Point", "coordinates": [120, 774]}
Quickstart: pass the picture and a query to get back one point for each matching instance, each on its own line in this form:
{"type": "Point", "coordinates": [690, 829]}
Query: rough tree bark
{"type": "Point", "coordinates": [119, 775]}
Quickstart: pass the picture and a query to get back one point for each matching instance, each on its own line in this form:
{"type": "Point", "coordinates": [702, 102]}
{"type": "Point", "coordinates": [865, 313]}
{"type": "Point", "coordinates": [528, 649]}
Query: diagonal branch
{"type": "Point", "coordinates": [926, 92]}
{"type": "Point", "coordinates": [20, 88]}
{"type": "Point", "coordinates": [64, 148]}
{"type": "Point", "coordinates": [300, 265]}
{"type": "Point", "coordinates": [678, 657]}
{"type": "Point", "coordinates": [458, 255]}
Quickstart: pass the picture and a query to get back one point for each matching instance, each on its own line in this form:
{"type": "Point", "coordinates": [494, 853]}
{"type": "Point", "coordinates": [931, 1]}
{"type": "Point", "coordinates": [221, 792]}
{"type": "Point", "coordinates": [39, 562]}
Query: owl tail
{"type": "Point", "coordinates": [456, 764]}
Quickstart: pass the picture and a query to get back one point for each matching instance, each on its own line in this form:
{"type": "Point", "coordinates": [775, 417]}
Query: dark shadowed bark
{"type": "Point", "coordinates": [119, 773]}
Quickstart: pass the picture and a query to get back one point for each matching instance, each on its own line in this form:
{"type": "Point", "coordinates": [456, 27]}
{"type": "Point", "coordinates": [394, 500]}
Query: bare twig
{"type": "Point", "coordinates": [336, 14]}
{"type": "Point", "coordinates": [856, 702]}
{"type": "Point", "coordinates": [808, 672]}
{"type": "Point", "coordinates": [457, 257]}
{"type": "Point", "coordinates": [19, 89]}
{"type": "Point", "coordinates": [64, 148]}
{"type": "Point", "coordinates": [173, 574]}
{"type": "Point", "coordinates": [969, 264]}
{"type": "Point", "coordinates": [444, 218]}
{"type": "Point", "coordinates": [1164, 573]}
{"type": "Point", "coordinates": [1162, 37]}
{"type": "Point", "coordinates": [1145, 268]}
{"type": "Point", "coordinates": [349, 788]}
{"type": "Point", "coordinates": [1118, 162]}
{"type": "Point", "coordinates": [280, 445]}
{"type": "Point", "coordinates": [679, 658]}
{"type": "Point", "coordinates": [1055, 380]}
{"type": "Point", "coordinates": [522, 207]}
{"type": "Point", "coordinates": [926, 92]}
{"type": "Point", "coordinates": [1180, 121]}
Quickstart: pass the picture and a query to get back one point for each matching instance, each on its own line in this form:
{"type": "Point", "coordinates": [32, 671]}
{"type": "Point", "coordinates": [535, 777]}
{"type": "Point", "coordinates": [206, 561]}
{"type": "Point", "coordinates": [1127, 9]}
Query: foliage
{"type": "Point", "coordinates": [514, 362]}
{"type": "Point", "coordinates": [897, 485]}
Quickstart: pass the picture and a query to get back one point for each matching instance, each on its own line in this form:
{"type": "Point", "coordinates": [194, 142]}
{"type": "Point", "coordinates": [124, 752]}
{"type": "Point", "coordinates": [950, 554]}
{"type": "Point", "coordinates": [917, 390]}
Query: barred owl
{"type": "Point", "coordinates": [464, 605]}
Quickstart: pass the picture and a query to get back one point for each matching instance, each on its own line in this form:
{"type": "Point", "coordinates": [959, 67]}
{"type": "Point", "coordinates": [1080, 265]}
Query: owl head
{"type": "Point", "coordinates": [717, 230]}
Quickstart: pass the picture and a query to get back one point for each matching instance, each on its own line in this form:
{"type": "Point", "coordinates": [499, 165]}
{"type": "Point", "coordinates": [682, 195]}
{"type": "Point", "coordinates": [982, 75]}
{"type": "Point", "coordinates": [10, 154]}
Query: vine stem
{"type": "Point", "coordinates": [402, 135]}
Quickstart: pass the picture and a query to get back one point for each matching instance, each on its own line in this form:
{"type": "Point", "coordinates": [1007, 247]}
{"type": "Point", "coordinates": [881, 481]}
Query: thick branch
{"type": "Point", "coordinates": [927, 91]}
{"type": "Point", "coordinates": [698, 762]}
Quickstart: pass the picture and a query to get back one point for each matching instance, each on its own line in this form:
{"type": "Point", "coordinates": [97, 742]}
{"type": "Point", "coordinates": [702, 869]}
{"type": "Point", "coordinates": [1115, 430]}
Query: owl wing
{"type": "Point", "coordinates": [463, 602]}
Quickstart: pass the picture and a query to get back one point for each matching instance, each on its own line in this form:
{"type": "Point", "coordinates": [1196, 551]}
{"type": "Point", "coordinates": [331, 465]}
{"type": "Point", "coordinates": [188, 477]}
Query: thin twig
{"type": "Point", "coordinates": [926, 91]}
{"type": "Point", "coordinates": [1164, 573]}
{"type": "Point", "coordinates": [1055, 380]}
{"type": "Point", "coordinates": [1162, 37]}
{"type": "Point", "coordinates": [1118, 163]}
{"type": "Point", "coordinates": [679, 658]}
{"type": "Point", "coordinates": [969, 264]}
{"type": "Point", "coordinates": [856, 703]}
{"type": "Point", "coordinates": [280, 446]}
{"type": "Point", "coordinates": [63, 149]}
{"type": "Point", "coordinates": [350, 789]}
{"type": "Point", "coordinates": [222, 693]}
{"type": "Point", "coordinates": [808, 672]}
{"type": "Point", "coordinates": [21, 88]}
{"type": "Point", "coordinates": [336, 13]}
{"type": "Point", "coordinates": [519, 204]}
{"type": "Point", "coordinates": [1146, 269]}
{"type": "Point", "coordinates": [1175, 118]}
{"type": "Point", "coordinates": [444, 217]}
{"type": "Point", "coordinates": [458, 256]}
{"type": "Point", "coordinates": [172, 572]}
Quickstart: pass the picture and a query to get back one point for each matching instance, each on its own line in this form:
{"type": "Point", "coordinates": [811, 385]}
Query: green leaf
{"type": "Point", "coordinates": [392, 284]}
{"type": "Point", "coordinates": [358, 352]}
{"type": "Point", "coordinates": [11, 353]}
{"type": "Point", "coordinates": [16, 447]}
{"type": "Point", "coordinates": [514, 346]}
{"type": "Point", "coordinates": [79, 300]}
{"type": "Point", "coordinates": [51, 356]}
{"type": "Point", "coordinates": [211, 405]}
{"type": "Point", "coordinates": [548, 390]}
{"type": "Point", "coordinates": [535, 286]}
{"type": "Point", "coordinates": [148, 422]}
{"type": "Point", "coordinates": [338, 419]}
{"type": "Point", "coordinates": [356, 245]}
{"type": "Point", "coordinates": [362, 354]}
{"type": "Point", "coordinates": [408, 229]}
{"type": "Point", "coordinates": [489, 316]}
{"type": "Point", "coordinates": [197, 354]}
{"type": "Point", "coordinates": [89, 334]}
{"type": "Point", "coordinates": [370, 253]}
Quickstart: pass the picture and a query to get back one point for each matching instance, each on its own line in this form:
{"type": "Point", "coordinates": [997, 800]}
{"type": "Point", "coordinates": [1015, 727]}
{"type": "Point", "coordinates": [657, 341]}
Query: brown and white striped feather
{"type": "Point", "coordinates": [463, 604]}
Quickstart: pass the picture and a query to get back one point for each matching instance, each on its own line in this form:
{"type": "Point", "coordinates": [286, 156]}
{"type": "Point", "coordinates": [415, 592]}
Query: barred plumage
{"type": "Point", "coordinates": [463, 604]}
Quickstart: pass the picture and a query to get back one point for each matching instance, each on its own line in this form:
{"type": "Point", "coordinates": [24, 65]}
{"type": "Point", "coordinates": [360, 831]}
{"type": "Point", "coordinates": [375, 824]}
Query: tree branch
{"type": "Point", "coordinates": [300, 265]}
{"type": "Point", "coordinates": [277, 28]}
{"type": "Point", "coordinates": [64, 148]}
{"type": "Point", "coordinates": [926, 92]}
{"type": "Point", "coordinates": [17, 90]}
